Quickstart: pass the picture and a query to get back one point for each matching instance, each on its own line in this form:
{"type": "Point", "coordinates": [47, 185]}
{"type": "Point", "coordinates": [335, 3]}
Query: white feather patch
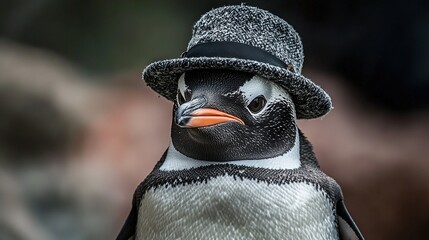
{"type": "Point", "coordinates": [230, 208]}
{"type": "Point", "coordinates": [181, 85]}
{"type": "Point", "coordinates": [272, 92]}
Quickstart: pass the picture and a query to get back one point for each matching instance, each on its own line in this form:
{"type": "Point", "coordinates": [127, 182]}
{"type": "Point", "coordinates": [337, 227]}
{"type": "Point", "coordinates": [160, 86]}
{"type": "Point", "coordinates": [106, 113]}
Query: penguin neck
{"type": "Point", "coordinates": [291, 159]}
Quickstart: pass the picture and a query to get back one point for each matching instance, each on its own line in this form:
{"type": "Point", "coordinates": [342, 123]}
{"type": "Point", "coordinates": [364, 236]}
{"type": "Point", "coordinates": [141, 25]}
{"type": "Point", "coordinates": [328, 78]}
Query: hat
{"type": "Point", "coordinates": [247, 39]}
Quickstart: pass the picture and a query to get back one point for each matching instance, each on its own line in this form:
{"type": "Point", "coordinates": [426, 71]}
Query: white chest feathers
{"type": "Point", "coordinates": [231, 208]}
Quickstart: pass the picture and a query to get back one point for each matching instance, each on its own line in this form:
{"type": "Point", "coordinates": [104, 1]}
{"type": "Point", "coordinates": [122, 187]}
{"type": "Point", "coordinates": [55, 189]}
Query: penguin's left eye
{"type": "Point", "coordinates": [257, 104]}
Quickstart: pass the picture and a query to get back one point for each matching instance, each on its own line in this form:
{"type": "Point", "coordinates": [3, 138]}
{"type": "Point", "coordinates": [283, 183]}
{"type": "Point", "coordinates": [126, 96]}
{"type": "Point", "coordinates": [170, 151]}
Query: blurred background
{"type": "Point", "coordinates": [79, 130]}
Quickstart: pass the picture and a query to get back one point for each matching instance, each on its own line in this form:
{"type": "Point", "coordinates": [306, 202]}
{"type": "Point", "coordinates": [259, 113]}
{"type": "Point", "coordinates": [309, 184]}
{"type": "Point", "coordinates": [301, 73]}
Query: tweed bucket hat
{"type": "Point", "coordinates": [247, 39]}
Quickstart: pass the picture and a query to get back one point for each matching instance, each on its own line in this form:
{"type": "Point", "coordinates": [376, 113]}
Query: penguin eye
{"type": "Point", "coordinates": [180, 98]}
{"type": "Point", "coordinates": [257, 104]}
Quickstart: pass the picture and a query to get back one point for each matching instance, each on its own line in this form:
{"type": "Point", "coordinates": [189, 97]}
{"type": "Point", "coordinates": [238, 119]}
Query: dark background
{"type": "Point", "coordinates": [79, 129]}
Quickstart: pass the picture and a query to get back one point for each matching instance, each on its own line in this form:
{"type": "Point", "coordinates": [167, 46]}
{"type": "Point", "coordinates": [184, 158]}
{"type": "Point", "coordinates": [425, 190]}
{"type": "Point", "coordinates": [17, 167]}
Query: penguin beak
{"type": "Point", "coordinates": [208, 116]}
{"type": "Point", "coordinates": [187, 116]}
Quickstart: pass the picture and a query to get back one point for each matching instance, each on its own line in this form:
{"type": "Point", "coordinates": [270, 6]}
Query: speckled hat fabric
{"type": "Point", "coordinates": [248, 39]}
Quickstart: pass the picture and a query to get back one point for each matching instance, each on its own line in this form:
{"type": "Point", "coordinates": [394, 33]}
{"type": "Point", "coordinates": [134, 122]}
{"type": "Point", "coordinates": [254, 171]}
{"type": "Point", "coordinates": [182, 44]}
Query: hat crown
{"type": "Point", "coordinates": [251, 26]}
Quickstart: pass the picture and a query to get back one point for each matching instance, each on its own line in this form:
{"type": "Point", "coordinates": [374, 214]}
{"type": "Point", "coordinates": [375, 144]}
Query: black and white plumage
{"type": "Point", "coordinates": [237, 168]}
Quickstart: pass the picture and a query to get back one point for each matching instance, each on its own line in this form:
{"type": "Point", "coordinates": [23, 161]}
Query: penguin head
{"type": "Point", "coordinates": [225, 115]}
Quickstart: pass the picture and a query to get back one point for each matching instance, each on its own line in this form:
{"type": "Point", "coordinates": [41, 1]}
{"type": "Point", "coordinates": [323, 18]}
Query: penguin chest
{"type": "Point", "coordinates": [228, 207]}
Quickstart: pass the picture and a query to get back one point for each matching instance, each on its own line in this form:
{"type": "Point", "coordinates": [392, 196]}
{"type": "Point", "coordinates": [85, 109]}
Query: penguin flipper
{"type": "Point", "coordinates": [347, 227]}
{"type": "Point", "coordinates": [129, 228]}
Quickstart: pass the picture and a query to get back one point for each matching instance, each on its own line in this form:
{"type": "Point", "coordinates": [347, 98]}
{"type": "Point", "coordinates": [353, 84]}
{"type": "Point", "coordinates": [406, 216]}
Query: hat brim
{"type": "Point", "coordinates": [310, 100]}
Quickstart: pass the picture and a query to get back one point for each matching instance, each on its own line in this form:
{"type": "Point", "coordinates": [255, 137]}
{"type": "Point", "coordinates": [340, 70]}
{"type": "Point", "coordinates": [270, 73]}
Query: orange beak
{"type": "Point", "coordinates": [204, 117]}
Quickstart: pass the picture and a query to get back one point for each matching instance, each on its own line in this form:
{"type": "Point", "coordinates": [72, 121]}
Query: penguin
{"type": "Point", "coordinates": [237, 167]}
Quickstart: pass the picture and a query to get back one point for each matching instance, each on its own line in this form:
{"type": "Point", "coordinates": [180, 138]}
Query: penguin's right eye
{"type": "Point", "coordinates": [180, 98]}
